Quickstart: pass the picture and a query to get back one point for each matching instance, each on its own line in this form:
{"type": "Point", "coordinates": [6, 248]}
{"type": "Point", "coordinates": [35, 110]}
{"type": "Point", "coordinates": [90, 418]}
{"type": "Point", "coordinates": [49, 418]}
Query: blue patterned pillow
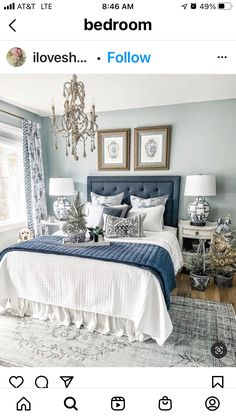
{"type": "Point", "coordinates": [138, 202]}
{"type": "Point", "coordinates": [124, 227]}
{"type": "Point", "coordinates": [107, 200]}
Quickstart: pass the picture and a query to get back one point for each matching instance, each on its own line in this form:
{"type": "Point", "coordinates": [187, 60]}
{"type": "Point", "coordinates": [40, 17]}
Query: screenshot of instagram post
{"type": "Point", "coordinates": [117, 209]}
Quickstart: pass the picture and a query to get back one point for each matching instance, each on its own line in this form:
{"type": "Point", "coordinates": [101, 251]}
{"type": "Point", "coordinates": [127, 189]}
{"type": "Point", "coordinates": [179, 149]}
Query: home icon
{"type": "Point", "coordinates": [23, 404]}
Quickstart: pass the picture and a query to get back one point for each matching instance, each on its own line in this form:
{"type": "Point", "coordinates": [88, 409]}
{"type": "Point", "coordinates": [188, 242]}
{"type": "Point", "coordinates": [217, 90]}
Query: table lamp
{"type": "Point", "coordinates": [61, 187]}
{"type": "Point", "coordinates": [199, 186]}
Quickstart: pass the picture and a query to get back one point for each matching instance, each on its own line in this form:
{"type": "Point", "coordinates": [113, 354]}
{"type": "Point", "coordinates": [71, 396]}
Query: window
{"type": "Point", "coordinates": [12, 195]}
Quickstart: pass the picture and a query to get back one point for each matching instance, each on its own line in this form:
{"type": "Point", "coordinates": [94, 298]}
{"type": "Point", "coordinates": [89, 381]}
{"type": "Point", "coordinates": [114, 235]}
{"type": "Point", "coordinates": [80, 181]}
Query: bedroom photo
{"type": "Point", "coordinates": [117, 220]}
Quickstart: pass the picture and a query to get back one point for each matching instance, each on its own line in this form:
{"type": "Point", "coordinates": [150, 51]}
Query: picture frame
{"type": "Point", "coordinates": [114, 149]}
{"type": "Point", "coordinates": [152, 148]}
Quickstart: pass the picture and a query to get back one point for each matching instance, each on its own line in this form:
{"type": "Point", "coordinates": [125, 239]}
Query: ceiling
{"type": "Point", "coordinates": [115, 92]}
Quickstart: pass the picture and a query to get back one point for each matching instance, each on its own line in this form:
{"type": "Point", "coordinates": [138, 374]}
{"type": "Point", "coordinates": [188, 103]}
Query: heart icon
{"type": "Point", "coordinates": [16, 381]}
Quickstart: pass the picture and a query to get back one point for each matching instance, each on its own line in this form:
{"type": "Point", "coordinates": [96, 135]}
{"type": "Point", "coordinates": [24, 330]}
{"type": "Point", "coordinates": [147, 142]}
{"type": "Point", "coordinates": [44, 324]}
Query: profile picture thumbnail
{"type": "Point", "coordinates": [16, 57]}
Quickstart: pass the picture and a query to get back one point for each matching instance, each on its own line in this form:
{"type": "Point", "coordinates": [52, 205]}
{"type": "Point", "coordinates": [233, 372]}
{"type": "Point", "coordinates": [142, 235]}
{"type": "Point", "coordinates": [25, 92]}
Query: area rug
{"type": "Point", "coordinates": [197, 326]}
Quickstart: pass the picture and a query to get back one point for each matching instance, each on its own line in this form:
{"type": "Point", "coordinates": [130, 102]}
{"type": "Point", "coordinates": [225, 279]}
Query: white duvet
{"type": "Point", "coordinates": [104, 296]}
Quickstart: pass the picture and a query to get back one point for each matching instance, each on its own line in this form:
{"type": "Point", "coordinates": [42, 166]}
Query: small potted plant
{"type": "Point", "coordinates": [199, 273]}
{"type": "Point", "coordinates": [223, 260]}
{"type": "Point", "coordinates": [95, 232]}
{"type": "Point", "coordinates": [75, 226]}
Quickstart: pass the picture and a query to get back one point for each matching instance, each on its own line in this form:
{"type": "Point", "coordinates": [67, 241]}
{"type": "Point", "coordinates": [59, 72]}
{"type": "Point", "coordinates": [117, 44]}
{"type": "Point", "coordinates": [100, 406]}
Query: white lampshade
{"type": "Point", "coordinates": [200, 185]}
{"type": "Point", "coordinates": [61, 186]}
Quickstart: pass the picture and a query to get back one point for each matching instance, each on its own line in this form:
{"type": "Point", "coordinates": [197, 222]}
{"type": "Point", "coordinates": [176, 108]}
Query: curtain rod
{"type": "Point", "coordinates": [12, 114]}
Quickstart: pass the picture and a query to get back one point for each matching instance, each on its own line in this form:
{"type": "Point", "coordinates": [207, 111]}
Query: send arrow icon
{"type": "Point", "coordinates": [67, 380]}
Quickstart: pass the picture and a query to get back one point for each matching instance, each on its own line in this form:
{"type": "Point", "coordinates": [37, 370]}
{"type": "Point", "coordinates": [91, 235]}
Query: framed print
{"type": "Point", "coordinates": [114, 149]}
{"type": "Point", "coordinates": [152, 148]}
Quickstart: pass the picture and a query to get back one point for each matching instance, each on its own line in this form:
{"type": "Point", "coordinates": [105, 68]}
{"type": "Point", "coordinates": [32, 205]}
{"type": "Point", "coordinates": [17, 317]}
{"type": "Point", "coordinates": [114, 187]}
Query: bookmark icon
{"type": "Point", "coordinates": [218, 381]}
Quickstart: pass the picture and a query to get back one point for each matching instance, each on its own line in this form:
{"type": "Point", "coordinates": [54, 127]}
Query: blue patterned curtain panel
{"type": "Point", "coordinates": [35, 191]}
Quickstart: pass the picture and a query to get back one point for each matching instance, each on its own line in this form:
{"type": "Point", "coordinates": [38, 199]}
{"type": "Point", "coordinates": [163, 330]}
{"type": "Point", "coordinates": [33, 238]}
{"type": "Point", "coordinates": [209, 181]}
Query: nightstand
{"type": "Point", "coordinates": [58, 224]}
{"type": "Point", "coordinates": [190, 235]}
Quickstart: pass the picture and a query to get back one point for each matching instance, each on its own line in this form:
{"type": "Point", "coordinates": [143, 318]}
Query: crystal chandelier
{"type": "Point", "coordinates": [75, 126]}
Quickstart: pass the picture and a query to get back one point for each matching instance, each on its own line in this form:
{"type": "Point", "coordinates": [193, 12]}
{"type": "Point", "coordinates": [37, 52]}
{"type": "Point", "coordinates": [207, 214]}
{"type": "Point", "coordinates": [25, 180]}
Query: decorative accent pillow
{"type": "Point", "coordinates": [154, 217]}
{"type": "Point", "coordinates": [124, 227]}
{"type": "Point", "coordinates": [107, 200]}
{"type": "Point", "coordinates": [138, 202]}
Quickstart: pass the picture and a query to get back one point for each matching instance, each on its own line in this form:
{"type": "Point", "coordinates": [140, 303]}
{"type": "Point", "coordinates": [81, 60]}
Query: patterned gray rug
{"type": "Point", "coordinates": [197, 325]}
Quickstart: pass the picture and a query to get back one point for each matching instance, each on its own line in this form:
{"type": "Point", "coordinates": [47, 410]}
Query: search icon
{"type": "Point", "coordinates": [70, 403]}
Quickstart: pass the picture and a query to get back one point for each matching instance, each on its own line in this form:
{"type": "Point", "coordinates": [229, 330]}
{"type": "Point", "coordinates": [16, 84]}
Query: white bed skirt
{"type": "Point", "coordinates": [64, 316]}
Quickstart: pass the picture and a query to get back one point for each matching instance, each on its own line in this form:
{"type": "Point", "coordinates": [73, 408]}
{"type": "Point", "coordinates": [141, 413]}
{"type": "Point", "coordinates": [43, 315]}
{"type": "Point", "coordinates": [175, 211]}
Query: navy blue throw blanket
{"type": "Point", "coordinates": [145, 256]}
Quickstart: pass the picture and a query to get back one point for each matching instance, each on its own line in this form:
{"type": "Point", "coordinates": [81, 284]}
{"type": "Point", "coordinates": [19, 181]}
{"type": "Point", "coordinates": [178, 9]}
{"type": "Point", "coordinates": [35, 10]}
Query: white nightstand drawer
{"type": "Point", "coordinates": [198, 233]}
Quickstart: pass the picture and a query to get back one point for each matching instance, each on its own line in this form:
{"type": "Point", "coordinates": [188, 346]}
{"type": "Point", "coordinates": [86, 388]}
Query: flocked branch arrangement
{"type": "Point", "coordinates": [223, 254]}
{"type": "Point", "coordinates": [76, 222]}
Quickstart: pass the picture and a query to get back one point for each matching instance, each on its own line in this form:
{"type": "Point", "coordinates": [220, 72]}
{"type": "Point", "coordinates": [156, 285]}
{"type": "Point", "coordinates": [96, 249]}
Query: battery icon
{"type": "Point", "coordinates": [225, 6]}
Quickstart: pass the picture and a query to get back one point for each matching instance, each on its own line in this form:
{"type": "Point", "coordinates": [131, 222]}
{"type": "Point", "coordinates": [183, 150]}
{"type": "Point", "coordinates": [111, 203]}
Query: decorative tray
{"type": "Point", "coordinates": [87, 243]}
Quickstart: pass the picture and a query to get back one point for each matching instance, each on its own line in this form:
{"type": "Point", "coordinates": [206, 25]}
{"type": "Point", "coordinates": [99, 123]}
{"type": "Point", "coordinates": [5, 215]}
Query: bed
{"type": "Point", "coordinates": [98, 293]}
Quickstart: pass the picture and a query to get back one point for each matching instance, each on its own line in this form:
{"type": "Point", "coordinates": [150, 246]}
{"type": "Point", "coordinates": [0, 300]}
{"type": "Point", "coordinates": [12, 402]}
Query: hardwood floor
{"type": "Point", "coordinates": [212, 293]}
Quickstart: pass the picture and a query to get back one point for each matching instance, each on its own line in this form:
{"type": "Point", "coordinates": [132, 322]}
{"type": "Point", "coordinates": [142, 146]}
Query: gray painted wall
{"type": "Point", "coordinates": [10, 236]}
{"type": "Point", "coordinates": [203, 141]}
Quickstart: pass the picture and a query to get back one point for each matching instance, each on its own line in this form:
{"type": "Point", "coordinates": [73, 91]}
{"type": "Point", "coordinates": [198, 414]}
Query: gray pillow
{"type": "Point", "coordinates": [124, 227]}
{"type": "Point", "coordinates": [138, 202]}
{"type": "Point", "coordinates": [115, 212]}
{"type": "Point", "coordinates": [125, 209]}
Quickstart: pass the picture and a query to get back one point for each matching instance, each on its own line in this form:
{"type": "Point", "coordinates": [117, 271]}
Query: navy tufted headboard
{"type": "Point", "coordinates": [144, 186]}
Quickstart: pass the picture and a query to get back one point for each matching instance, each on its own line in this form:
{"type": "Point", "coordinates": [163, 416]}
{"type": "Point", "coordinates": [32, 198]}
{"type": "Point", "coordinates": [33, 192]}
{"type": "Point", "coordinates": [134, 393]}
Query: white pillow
{"type": "Point", "coordinates": [138, 202]}
{"type": "Point", "coordinates": [93, 214]}
{"type": "Point", "coordinates": [154, 217]}
{"type": "Point", "coordinates": [107, 200]}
